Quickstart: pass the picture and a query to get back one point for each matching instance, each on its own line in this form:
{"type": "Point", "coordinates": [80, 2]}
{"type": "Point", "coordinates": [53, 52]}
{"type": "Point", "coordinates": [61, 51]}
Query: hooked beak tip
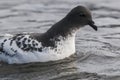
{"type": "Point", "coordinates": [91, 23]}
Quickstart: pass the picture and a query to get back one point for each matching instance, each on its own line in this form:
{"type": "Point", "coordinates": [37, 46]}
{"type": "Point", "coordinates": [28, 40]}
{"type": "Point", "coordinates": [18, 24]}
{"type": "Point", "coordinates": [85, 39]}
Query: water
{"type": "Point", "coordinates": [98, 53]}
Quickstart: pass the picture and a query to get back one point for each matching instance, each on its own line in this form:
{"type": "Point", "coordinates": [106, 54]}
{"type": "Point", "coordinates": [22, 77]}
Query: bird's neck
{"type": "Point", "coordinates": [62, 28]}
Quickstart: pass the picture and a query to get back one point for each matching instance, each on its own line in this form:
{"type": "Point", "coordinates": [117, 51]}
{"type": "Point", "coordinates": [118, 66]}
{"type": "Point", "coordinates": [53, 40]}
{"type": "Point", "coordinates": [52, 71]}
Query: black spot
{"type": "Point", "coordinates": [33, 42]}
{"type": "Point", "coordinates": [30, 47]}
{"type": "Point", "coordinates": [35, 49]}
{"type": "Point", "coordinates": [14, 38]}
{"type": "Point", "coordinates": [18, 44]}
{"type": "Point", "coordinates": [15, 51]}
{"type": "Point", "coordinates": [33, 45]}
{"type": "Point", "coordinates": [40, 49]}
{"type": "Point", "coordinates": [25, 39]}
{"type": "Point", "coordinates": [59, 43]}
{"type": "Point", "coordinates": [23, 48]}
{"type": "Point", "coordinates": [5, 40]}
{"type": "Point", "coordinates": [55, 49]}
{"type": "Point", "coordinates": [11, 42]}
{"type": "Point", "coordinates": [2, 44]}
{"type": "Point", "coordinates": [36, 44]}
{"type": "Point", "coordinates": [24, 45]}
{"type": "Point", "coordinates": [12, 49]}
{"type": "Point", "coordinates": [1, 50]}
{"type": "Point", "coordinates": [29, 40]}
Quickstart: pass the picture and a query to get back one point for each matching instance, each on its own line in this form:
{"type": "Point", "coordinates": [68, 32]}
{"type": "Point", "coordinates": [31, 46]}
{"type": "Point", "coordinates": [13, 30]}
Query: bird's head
{"type": "Point", "coordinates": [80, 16]}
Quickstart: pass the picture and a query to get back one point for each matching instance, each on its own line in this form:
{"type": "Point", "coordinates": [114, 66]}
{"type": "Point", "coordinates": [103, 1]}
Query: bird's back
{"type": "Point", "coordinates": [25, 48]}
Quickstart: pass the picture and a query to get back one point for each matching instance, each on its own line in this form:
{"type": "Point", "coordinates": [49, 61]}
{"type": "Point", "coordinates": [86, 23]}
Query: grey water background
{"type": "Point", "coordinates": [98, 53]}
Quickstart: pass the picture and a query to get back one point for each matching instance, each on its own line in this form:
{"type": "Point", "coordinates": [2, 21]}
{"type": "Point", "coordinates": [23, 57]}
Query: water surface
{"type": "Point", "coordinates": [98, 53]}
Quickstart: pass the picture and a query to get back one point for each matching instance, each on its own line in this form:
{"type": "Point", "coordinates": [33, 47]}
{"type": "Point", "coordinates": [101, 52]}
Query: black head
{"type": "Point", "coordinates": [80, 16]}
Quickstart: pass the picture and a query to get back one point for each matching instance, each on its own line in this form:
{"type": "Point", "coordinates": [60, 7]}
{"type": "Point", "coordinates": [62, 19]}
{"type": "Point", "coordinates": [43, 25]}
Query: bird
{"type": "Point", "coordinates": [56, 43]}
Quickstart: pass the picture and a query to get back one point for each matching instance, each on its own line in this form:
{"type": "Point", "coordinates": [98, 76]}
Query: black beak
{"type": "Point", "coordinates": [91, 23]}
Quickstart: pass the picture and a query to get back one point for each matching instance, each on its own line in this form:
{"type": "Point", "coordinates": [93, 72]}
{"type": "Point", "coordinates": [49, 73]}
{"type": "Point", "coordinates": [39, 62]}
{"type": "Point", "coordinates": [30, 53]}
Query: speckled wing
{"type": "Point", "coordinates": [19, 44]}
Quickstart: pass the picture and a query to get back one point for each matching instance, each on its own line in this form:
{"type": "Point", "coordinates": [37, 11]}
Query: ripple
{"type": "Point", "coordinates": [98, 53]}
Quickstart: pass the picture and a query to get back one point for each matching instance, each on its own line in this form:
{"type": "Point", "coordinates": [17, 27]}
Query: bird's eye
{"type": "Point", "coordinates": [82, 15]}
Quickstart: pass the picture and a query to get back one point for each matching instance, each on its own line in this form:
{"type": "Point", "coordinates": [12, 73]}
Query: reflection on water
{"type": "Point", "coordinates": [98, 53]}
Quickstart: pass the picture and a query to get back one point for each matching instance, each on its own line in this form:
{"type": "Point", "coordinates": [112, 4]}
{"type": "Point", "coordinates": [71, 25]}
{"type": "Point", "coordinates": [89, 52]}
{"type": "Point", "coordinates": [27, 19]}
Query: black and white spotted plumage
{"type": "Point", "coordinates": [55, 44]}
{"type": "Point", "coordinates": [24, 42]}
{"type": "Point", "coordinates": [24, 48]}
